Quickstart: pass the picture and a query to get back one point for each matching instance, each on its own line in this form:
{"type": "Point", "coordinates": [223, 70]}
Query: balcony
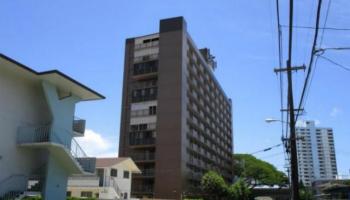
{"type": "Point", "coordinates": [146, 45]}
{"type": "Point", "coordinates": [143, 142]}
{"type": "Point", "coordinates": [140, 98]}
{"type": "Point", "coordinates": [146, 58]}
{"type": "Point", "coordinates": [145, 70]}
{"type": "Point", "coordinates": [145, 189]}
{"type": "Point", "coordinates": [146, 173]}
{"type": "Point", "coordinates": [78, 127]}
{"type": "Point", "coordinates": [143, 157]}
{"type": "Point", "coordinates": [60, 144]}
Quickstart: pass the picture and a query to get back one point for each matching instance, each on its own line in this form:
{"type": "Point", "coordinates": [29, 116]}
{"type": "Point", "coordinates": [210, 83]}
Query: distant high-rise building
{"type": "Point", "coordinates": [176, 121]}
{"type": "Point", "coordinates": [316, 154]}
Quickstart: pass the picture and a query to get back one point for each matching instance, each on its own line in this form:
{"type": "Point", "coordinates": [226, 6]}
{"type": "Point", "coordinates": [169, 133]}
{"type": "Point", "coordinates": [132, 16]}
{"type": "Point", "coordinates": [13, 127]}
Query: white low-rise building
{"type": "Point", "coordinates": [112, 180]}
{"type": "Point", "coordinates": [38, 150]}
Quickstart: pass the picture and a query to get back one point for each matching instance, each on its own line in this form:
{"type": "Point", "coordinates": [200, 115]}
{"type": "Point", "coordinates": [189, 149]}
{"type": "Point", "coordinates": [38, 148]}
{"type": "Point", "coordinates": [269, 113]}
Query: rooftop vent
{"type": "Point", "coordinates": [210, 59]}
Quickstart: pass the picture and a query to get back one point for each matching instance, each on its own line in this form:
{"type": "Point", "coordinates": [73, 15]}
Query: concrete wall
{"type": "Point", "coordinates": [22, 103]}
{"type": "Point", "coordinates": [76, 191]}
{"type": "Point", "coordinates": [62, 111]}
{"type": "Point", "coordinates": [123, 183]}
{"type": "Point", "coordinates": [83, 181]}
{"type": "Point", "coordinates": [170, 140]}
{"type": "Point", "coordinates": [26, 101]}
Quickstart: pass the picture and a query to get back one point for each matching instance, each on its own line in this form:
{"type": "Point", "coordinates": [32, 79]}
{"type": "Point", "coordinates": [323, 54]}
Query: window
{"type": "Point", "coordinates": [86, 194]}
{"type": "Point", "coordinates": [142, 127]}
{"type": "Point", "coordinates": [144, 94]}
{"type": "Point", "coordinates": [152, 110]}
{"type": "Point", "coordinates": [150, 40]}
{"type": "Point", "coordinates": [126, 174]}
{"type": "Point", "coordinates": [138, 127]}
{"type": "Point", "coordinates": [146, 67]}
{"type": "Point", "coordinates": [69, 193]}
{"type": "Point", "coordinates": [114, 172]}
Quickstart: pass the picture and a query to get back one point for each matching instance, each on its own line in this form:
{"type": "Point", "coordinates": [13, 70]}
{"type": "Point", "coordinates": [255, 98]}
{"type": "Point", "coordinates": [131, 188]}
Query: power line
{"type": "Point", "coordinates": [313, 50]}
{"type": "Point", "coordinates": [332, 48]}
{"type": "Point", "coordinates": [312, 71]}
{"type": "Point", "coordinates": [325, 21]}
{"type": "Point", "coordinates": [324, 28]}
{"type": "Point", "coordinates": [280, 60]}
{"type": "Point", "coordinates": [266, 149]}
{"type": "Point", "coordinates": [272, 155]}
{"type": "Point", "coordinates": [335, 63]}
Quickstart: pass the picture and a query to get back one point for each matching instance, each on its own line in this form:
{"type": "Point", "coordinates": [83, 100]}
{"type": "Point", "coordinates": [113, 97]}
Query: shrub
{"type": "Point", "coordinates": [213, 186]}
{"type": "Point", "coordinates": [239, 191]}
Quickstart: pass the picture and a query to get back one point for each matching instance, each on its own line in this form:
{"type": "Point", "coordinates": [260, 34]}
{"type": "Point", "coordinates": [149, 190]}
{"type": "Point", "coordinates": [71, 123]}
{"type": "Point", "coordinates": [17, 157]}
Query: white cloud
{"type": "Point", "coordinates": [335, 112]}
{"type": "Point", "coordinates": [94, 144]}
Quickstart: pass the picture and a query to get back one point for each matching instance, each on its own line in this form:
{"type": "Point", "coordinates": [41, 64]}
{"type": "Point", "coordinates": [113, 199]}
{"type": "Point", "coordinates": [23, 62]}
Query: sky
{"type": "Point", "coordinates": [85, 39]}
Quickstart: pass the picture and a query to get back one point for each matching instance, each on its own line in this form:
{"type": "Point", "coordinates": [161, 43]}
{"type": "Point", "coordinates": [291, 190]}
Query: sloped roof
{"type": "Point", "coordinates": [109, 162]}
{"type": "Point", "coordinates": [55, 77]}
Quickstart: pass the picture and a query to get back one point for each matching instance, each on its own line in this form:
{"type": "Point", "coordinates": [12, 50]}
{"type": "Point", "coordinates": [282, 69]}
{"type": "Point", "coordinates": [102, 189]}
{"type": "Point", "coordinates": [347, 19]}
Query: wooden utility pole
{"type": "Point", "coordinates": [293, 144]}
{"type": "Point", "coordinates": [292, 139]}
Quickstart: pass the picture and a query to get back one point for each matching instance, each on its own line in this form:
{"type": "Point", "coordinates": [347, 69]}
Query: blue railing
{"type": "Point", "coordinates": [40, 134]}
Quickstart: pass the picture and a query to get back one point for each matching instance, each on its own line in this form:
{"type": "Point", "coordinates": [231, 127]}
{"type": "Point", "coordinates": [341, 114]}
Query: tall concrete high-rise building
{"type": "Point", "coordinates": [316, 154]}
{"type": "Point", "coordinates": [176, 121]}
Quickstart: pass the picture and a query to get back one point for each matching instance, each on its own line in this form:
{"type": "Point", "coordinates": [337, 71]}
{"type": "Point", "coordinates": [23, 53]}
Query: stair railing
{"type": "Point", "coordinates": [15, 182]}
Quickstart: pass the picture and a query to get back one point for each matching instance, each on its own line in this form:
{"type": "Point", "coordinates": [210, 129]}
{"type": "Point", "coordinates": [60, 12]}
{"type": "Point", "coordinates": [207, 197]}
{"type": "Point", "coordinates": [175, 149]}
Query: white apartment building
{"type": "Point", "coordinates": [316, 154]}
{"type": "Point", "coordinates": [38, 150]}
{"type": "Point", "coordinates": [111, 180]}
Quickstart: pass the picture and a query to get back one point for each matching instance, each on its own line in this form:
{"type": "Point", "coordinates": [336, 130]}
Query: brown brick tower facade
{"type": "Point", "coordinates": [176, 121]}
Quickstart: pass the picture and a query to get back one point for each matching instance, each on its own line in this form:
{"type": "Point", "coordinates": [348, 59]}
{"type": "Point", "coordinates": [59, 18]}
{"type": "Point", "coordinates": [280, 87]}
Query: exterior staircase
{"type": "Point", "coordinates": [61, 143]}
{"type": "Point", "coordinates": [46, 137]}
{"type": "Point", "coordinates": [18, 186]}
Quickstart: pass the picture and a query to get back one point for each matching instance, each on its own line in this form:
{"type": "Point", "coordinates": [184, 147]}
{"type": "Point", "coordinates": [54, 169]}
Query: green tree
{"type": "Point", "coordinates": [257, 171]}
{"type": "Point", "coordinates": [213, 186]}
{"type": "Point", "coordinates": [305, 193]}
{"type": "Point", "coordinates": [239, 191]}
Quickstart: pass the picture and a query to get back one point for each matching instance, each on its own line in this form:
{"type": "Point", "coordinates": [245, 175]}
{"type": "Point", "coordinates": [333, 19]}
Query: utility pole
{"type": "Point", "coordinates": [292, 139]}
{"type": "Point", "coordinates": [293, 144]}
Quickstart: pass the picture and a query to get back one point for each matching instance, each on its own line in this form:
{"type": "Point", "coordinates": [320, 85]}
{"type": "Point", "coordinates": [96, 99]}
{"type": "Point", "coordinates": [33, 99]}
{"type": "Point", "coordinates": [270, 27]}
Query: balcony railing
{"type": "Point", "coordinates": [146, 58]}
{"type": "Point", "coordinates": [147, 45]}
{"type": "Point", "coordinates": [142, 189]}
{"type": "Point", "coordinates": [146, 67]}
{"type": "Point", "coordinates": [79, 125]}
{"type": "Point", "coordinates": [143, 156]}
{"type": "Point", "coordinates": [16, 182]}
{"type": "Point", "coordinates": [145, 173]}
{"type": "Point", "coordinates": [111, 182]}
{"type": "Point", "coordinates": [42, 134]}
{"type": "Point", "coordinates": [143, 141]}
